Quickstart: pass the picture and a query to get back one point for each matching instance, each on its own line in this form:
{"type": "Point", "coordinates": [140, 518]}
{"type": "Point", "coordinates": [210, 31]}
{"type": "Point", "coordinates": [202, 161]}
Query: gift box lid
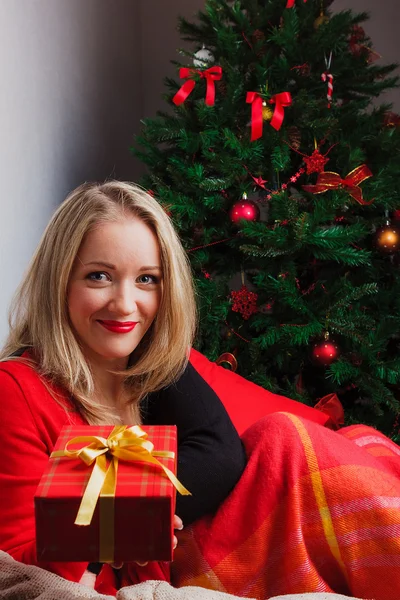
{"type": "Point", "coordinates": [67, 477]}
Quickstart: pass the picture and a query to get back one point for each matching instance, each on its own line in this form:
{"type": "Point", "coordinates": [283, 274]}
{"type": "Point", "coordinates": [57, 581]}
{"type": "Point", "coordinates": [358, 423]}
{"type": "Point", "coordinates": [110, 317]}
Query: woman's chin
{"type": "Point", "coordinates": [107, 354]}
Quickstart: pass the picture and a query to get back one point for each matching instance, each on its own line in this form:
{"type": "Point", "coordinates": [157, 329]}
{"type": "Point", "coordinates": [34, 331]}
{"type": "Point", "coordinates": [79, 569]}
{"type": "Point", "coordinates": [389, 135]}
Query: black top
{"type": "Point", "coordinates": [211, 457]}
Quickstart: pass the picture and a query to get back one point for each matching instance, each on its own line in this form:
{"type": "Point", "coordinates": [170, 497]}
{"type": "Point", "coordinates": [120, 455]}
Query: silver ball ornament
{"type": "Point", "coordinates": [203, 58]}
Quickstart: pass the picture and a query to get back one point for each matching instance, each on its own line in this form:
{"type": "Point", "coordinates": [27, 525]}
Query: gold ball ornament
{"type": "Point", "coordinates": [267, 112]}
{"type": "Point", "coordinates": [321, 20]}
{"type": "Point", "coordinates": [388, 238]}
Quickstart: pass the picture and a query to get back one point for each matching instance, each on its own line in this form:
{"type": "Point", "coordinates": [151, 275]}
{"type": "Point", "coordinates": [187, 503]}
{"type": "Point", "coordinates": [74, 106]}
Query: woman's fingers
{"type": "Point", "coordinates": [178, 523]}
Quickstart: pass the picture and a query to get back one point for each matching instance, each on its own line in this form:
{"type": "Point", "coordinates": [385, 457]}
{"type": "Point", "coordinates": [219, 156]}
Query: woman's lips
{"type": "Point", "coordinates": [118, 326]}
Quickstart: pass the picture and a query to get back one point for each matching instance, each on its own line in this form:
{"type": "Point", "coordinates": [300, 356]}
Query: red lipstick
{"type": "Point", "coordinates": [119, 326]}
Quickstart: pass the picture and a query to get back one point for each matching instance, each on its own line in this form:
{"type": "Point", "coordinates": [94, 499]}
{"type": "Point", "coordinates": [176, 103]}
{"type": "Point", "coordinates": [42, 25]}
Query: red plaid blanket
{"type": "Point", "coordinates": [315, 511]}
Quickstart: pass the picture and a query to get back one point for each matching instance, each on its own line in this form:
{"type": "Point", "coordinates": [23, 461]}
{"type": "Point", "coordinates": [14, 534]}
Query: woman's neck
{"type": "Point", "coordinates": [108, 387]}
{"type": "Point", "coordinates": [112, 394]}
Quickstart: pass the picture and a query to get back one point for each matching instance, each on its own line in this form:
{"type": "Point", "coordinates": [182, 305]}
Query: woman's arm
{"type": "Point", "coordinates": [24, 456]}
{"type": "Point", "coordinates": [211, 457]}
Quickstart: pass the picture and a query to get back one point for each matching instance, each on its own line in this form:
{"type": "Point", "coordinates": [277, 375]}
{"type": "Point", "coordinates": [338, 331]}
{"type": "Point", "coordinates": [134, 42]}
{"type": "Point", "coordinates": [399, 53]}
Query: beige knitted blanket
{"type": "Point", "coordinates": [25, 582]}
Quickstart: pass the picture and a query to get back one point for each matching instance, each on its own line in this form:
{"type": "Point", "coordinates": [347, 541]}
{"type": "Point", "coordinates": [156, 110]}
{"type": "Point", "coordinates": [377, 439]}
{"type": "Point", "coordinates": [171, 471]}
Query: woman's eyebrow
{"type": "Point", "coordinates": [150, 268]}
{"type": "Point", "coordinates": [100, 262]}
{"type": "Point", "coordinates": [110, 266]}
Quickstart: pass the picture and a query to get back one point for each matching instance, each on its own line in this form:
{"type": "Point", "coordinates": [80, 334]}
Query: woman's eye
{"type": "Point", "coordinates": [97, 276]}
{"type": "Point", "coordinates": [147, 279]}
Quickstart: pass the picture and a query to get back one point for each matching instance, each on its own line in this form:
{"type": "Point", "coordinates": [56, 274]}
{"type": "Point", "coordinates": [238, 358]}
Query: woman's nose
{"type": "Point", "coordinates": [124, 301]}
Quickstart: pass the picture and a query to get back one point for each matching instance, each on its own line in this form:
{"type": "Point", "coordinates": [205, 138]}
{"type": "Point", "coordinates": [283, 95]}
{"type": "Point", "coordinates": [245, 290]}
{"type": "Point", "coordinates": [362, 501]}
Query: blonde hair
{"type": "Point", "coordinates": [39, 314]}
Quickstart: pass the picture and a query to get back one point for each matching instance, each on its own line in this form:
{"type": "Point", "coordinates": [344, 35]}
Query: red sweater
{"type": "Point", "coordinates": [30, 423]}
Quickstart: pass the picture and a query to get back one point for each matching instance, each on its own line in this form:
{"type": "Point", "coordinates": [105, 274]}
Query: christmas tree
{"type": "Point", "coordinates": [280, 171]}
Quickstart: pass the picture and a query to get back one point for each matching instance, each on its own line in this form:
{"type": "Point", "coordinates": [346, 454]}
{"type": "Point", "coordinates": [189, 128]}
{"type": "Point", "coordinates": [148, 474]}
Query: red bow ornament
{"type": "Point", "coordinates": [332, 406]}
{"type": "Point", "coordinates": [329, 180]}
{"type": "Point", "coordinates": [280, 100]}
{"type": "Point", "coordinates": [256, 114]}
{"type": "Point", "coordinates": [290, 3]}
{"type": "Point", "coordinates": [210, 75]}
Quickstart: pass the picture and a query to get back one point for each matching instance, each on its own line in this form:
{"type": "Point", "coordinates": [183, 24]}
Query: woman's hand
{"type": "Point", "coordinates": [177, 525]}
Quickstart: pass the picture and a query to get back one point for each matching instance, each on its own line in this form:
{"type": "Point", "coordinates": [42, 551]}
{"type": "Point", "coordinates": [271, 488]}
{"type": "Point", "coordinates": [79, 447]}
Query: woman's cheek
{"type": "Point", "coordinates": [94, 300]}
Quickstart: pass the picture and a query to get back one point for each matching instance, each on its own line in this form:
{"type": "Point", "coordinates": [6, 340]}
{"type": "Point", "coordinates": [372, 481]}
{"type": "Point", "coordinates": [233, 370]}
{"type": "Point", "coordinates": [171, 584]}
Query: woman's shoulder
{"type": "Point", "coordinates": [22, 386]}
{"type": "Point", "coordinates": [19, 365]}
{"type": "Point", "coordinates": [21, 369]}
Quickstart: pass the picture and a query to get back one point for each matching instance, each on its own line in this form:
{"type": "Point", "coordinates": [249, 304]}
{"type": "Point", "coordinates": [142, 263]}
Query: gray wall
{"type": "Point", "coordinates": [70, 96]}
{"type": "Point", "coordinates": [383, 29]}
{"type": "Point", "coordinates": [76, 78]}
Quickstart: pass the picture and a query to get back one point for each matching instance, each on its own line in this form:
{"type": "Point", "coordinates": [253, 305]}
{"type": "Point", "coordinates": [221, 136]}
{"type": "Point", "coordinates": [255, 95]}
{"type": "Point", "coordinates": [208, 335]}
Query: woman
{"type": "Point", "coordinates": [101, 330]}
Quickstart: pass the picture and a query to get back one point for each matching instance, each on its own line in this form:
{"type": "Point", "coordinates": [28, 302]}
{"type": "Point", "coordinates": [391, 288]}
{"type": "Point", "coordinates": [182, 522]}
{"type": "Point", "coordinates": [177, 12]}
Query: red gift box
{"type": "Point", "coordinates": [135, 525]}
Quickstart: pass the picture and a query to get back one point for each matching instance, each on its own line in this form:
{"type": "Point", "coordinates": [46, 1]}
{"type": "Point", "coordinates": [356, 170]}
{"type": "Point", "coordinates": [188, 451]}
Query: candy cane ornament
{"type": "Point", "coordinates": [327, 76]}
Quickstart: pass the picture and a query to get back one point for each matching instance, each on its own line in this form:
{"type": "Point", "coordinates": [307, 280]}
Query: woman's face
{"type": "Point", "coordinates": [115, 290]}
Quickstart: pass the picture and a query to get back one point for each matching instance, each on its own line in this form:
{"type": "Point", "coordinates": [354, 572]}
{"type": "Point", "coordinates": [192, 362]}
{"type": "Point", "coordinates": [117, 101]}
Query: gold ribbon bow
{"type": "Point", "coordinates": [328, 180]}
{"type": "Point", "coordinates": [122, 443]}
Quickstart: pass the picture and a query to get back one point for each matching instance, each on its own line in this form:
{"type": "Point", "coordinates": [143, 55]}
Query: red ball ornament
{"type": "Point", "coordinates": [388, 238]}
{"type": "Point", "coordinates": [325, 351]}
{"type": "Point", "coordinates": [244, 209]}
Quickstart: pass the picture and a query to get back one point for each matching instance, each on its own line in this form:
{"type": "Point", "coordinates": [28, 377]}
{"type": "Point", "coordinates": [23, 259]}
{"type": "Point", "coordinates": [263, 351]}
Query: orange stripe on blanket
{"type": "Point", "coordinates": [378, 451]}
{"type": "Point", "coordinates": [319, 492]}
{"type": "Point", "coordinates": [354, 431]}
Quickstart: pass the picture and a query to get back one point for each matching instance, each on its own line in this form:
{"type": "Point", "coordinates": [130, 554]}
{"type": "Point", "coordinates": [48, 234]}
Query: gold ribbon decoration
{"type": "Point", "coordinates": [328, 180]}
{"type": "Point", "coordinates": [125, 443]}
{"type": "Point", "coordinates": [229, 359]}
